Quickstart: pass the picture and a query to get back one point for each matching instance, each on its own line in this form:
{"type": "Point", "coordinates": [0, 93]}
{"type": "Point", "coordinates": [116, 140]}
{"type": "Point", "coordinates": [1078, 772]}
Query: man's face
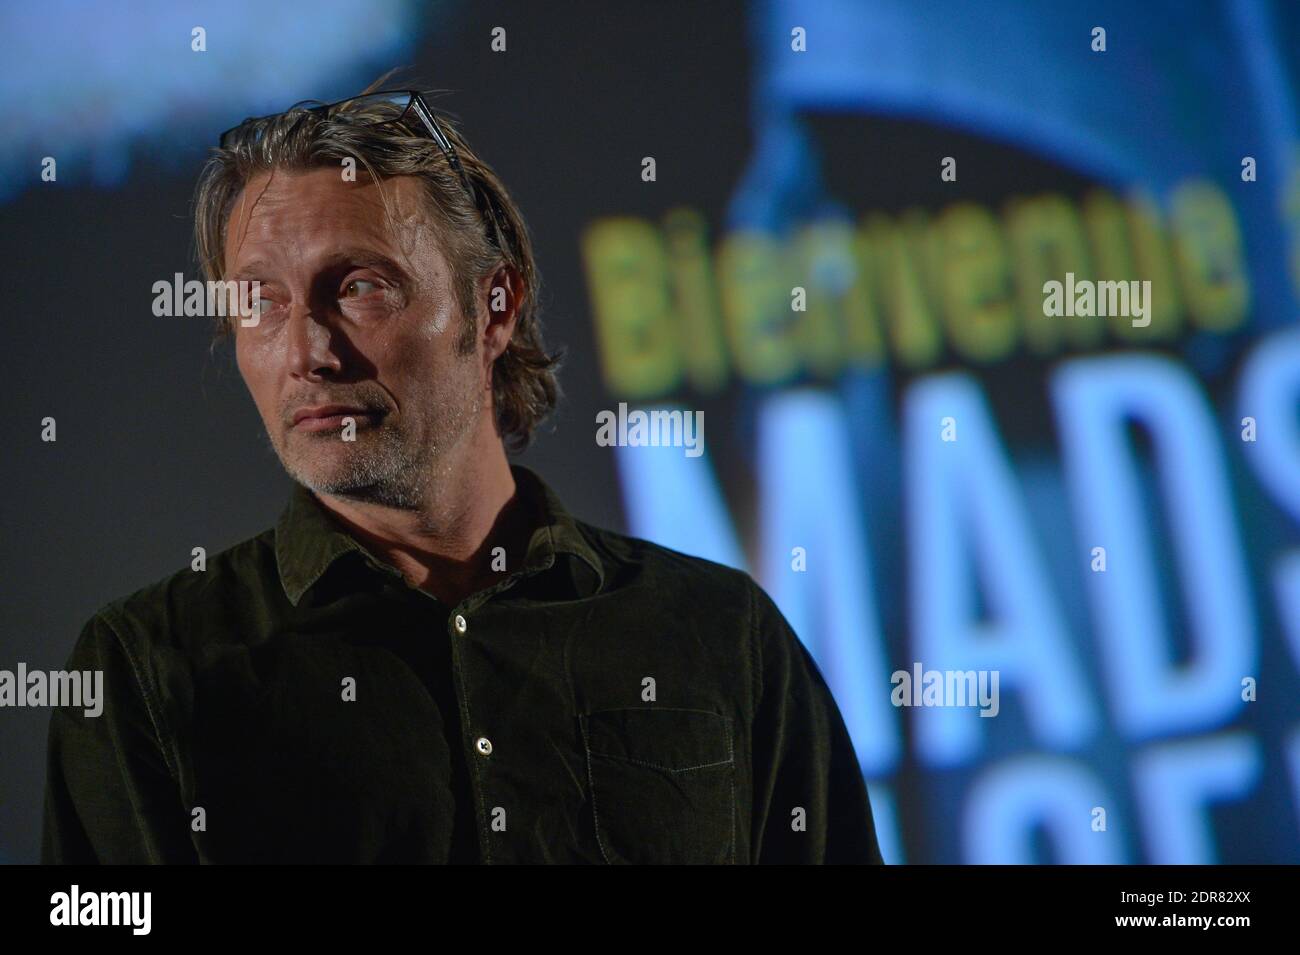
{"type": "Point", "coordinates": [357, 320]}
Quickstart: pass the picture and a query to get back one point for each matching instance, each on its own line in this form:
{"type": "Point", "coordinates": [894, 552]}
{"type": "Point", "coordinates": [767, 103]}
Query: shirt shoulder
{"type": "Point", "coordinates": [713, 591]}
{"type": "Point", "coordinates": [234, 590]}
{"type": "Point", "coordinates": [635, 561]}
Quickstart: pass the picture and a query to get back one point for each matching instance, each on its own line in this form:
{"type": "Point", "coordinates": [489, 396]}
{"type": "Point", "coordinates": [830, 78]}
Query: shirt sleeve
{"type": "Point", "coordinates": [110, 795]}
{"type": "Point", "coordinates": [803, 758]}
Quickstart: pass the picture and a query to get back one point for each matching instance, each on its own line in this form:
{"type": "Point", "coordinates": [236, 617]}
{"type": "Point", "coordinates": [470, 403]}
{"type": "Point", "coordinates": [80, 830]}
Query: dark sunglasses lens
{"type": "Point", "coordinates": [375, 108]}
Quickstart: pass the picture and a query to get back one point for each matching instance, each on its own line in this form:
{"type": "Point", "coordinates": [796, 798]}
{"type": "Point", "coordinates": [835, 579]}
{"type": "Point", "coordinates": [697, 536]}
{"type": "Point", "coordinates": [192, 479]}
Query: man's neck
{"type": "Point", "coordinates": [445, 547]}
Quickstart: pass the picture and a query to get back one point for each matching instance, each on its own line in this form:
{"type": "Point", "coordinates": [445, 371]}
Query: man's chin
{"type": "Point", "coordinates": [331, 472]}
{"type": "Point", "coordinates": [350, 480]}
{"type": "Point", "coordinates": [374, 468]}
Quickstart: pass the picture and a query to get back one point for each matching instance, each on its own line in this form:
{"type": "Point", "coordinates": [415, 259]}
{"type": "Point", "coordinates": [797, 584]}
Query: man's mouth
{"type": "Point", "coordinates": [333, 417]}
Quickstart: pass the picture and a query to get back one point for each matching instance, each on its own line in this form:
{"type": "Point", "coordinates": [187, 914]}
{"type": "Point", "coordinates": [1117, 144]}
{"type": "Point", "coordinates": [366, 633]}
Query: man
{"type": "Point", "coordinates": [428, 659]}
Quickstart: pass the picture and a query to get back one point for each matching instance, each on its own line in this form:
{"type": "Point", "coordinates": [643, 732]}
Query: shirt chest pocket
{"type": "Point", "coordinates": [662, 785]}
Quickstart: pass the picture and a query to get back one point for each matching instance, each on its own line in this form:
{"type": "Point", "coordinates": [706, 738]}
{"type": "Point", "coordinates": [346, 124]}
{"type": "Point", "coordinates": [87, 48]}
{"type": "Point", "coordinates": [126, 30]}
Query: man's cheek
{"type": "Point", "coordinates": [263, 397]}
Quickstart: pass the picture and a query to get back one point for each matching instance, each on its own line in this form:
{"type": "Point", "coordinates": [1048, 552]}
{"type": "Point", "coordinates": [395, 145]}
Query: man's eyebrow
{"type": "Point", "coordinates": [358, 256]}
{"type": "Point", "coordinates": [363, 257]}
{"type": "Point", "coordinates": [248, 270]}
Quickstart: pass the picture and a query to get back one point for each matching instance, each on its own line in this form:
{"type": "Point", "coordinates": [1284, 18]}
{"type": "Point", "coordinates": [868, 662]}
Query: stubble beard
{"type": "Point", "coordinates": [389, 464]}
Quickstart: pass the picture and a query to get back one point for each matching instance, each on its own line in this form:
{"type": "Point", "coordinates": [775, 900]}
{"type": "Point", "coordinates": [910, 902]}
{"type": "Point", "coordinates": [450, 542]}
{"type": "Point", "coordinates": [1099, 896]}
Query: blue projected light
{"type": "Point", "coordinates": [1177, 782]}
{"type": "Point", "coordinates": [86, 104]}
{"type": "Point", "coordinates": [1142, 610]}
{"type": "Point", "coordinates": [1012, 800]}
{"type": "Point", "coordinates": [967, 527]}
{"type": "Point", "coordinates": [810, 500]}
{"type": "Point", "coordinates": [1149, 696]}
{"type": "Point", "coordinates": [675, 500]}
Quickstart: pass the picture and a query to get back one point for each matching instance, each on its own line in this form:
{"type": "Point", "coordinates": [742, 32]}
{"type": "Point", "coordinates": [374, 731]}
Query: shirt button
{"type": "Point", "coordinates": [460, 623]}
{"type": "Point", "coordinates": [484, 746]}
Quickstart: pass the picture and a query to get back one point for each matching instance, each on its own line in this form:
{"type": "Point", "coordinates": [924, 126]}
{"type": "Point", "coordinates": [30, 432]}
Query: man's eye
{"type": "Point", "coordinates": [257, 305]}
{"type": "Point", "coordinates": [358, 287]}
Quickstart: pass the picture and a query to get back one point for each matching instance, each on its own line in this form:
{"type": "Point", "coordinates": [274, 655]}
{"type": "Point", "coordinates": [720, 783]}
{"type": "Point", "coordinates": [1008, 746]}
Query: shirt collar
{"type": "Point", "coordinates": [308, 540]}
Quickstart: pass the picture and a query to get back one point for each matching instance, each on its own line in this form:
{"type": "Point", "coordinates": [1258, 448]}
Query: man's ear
{"type": "Point", "coordinates": [503, 290]}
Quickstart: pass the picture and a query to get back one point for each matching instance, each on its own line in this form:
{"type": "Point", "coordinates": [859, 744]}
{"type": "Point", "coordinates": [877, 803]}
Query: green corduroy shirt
{"type": "Point", "coordinates": [609, 701]}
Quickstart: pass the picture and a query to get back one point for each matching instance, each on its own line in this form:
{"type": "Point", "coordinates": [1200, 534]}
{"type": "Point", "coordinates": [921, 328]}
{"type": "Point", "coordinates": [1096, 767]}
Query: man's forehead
{"type": "Point", "coordinates": [300, 206]}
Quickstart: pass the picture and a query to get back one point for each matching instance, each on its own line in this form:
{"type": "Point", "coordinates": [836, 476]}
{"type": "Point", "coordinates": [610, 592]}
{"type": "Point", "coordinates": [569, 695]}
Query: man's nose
{"type": "Point", "coordinates": [311, 352]}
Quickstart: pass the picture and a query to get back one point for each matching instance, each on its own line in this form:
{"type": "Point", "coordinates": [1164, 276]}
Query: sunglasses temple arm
{"type": "Point", "coordinates": [436, 132]}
